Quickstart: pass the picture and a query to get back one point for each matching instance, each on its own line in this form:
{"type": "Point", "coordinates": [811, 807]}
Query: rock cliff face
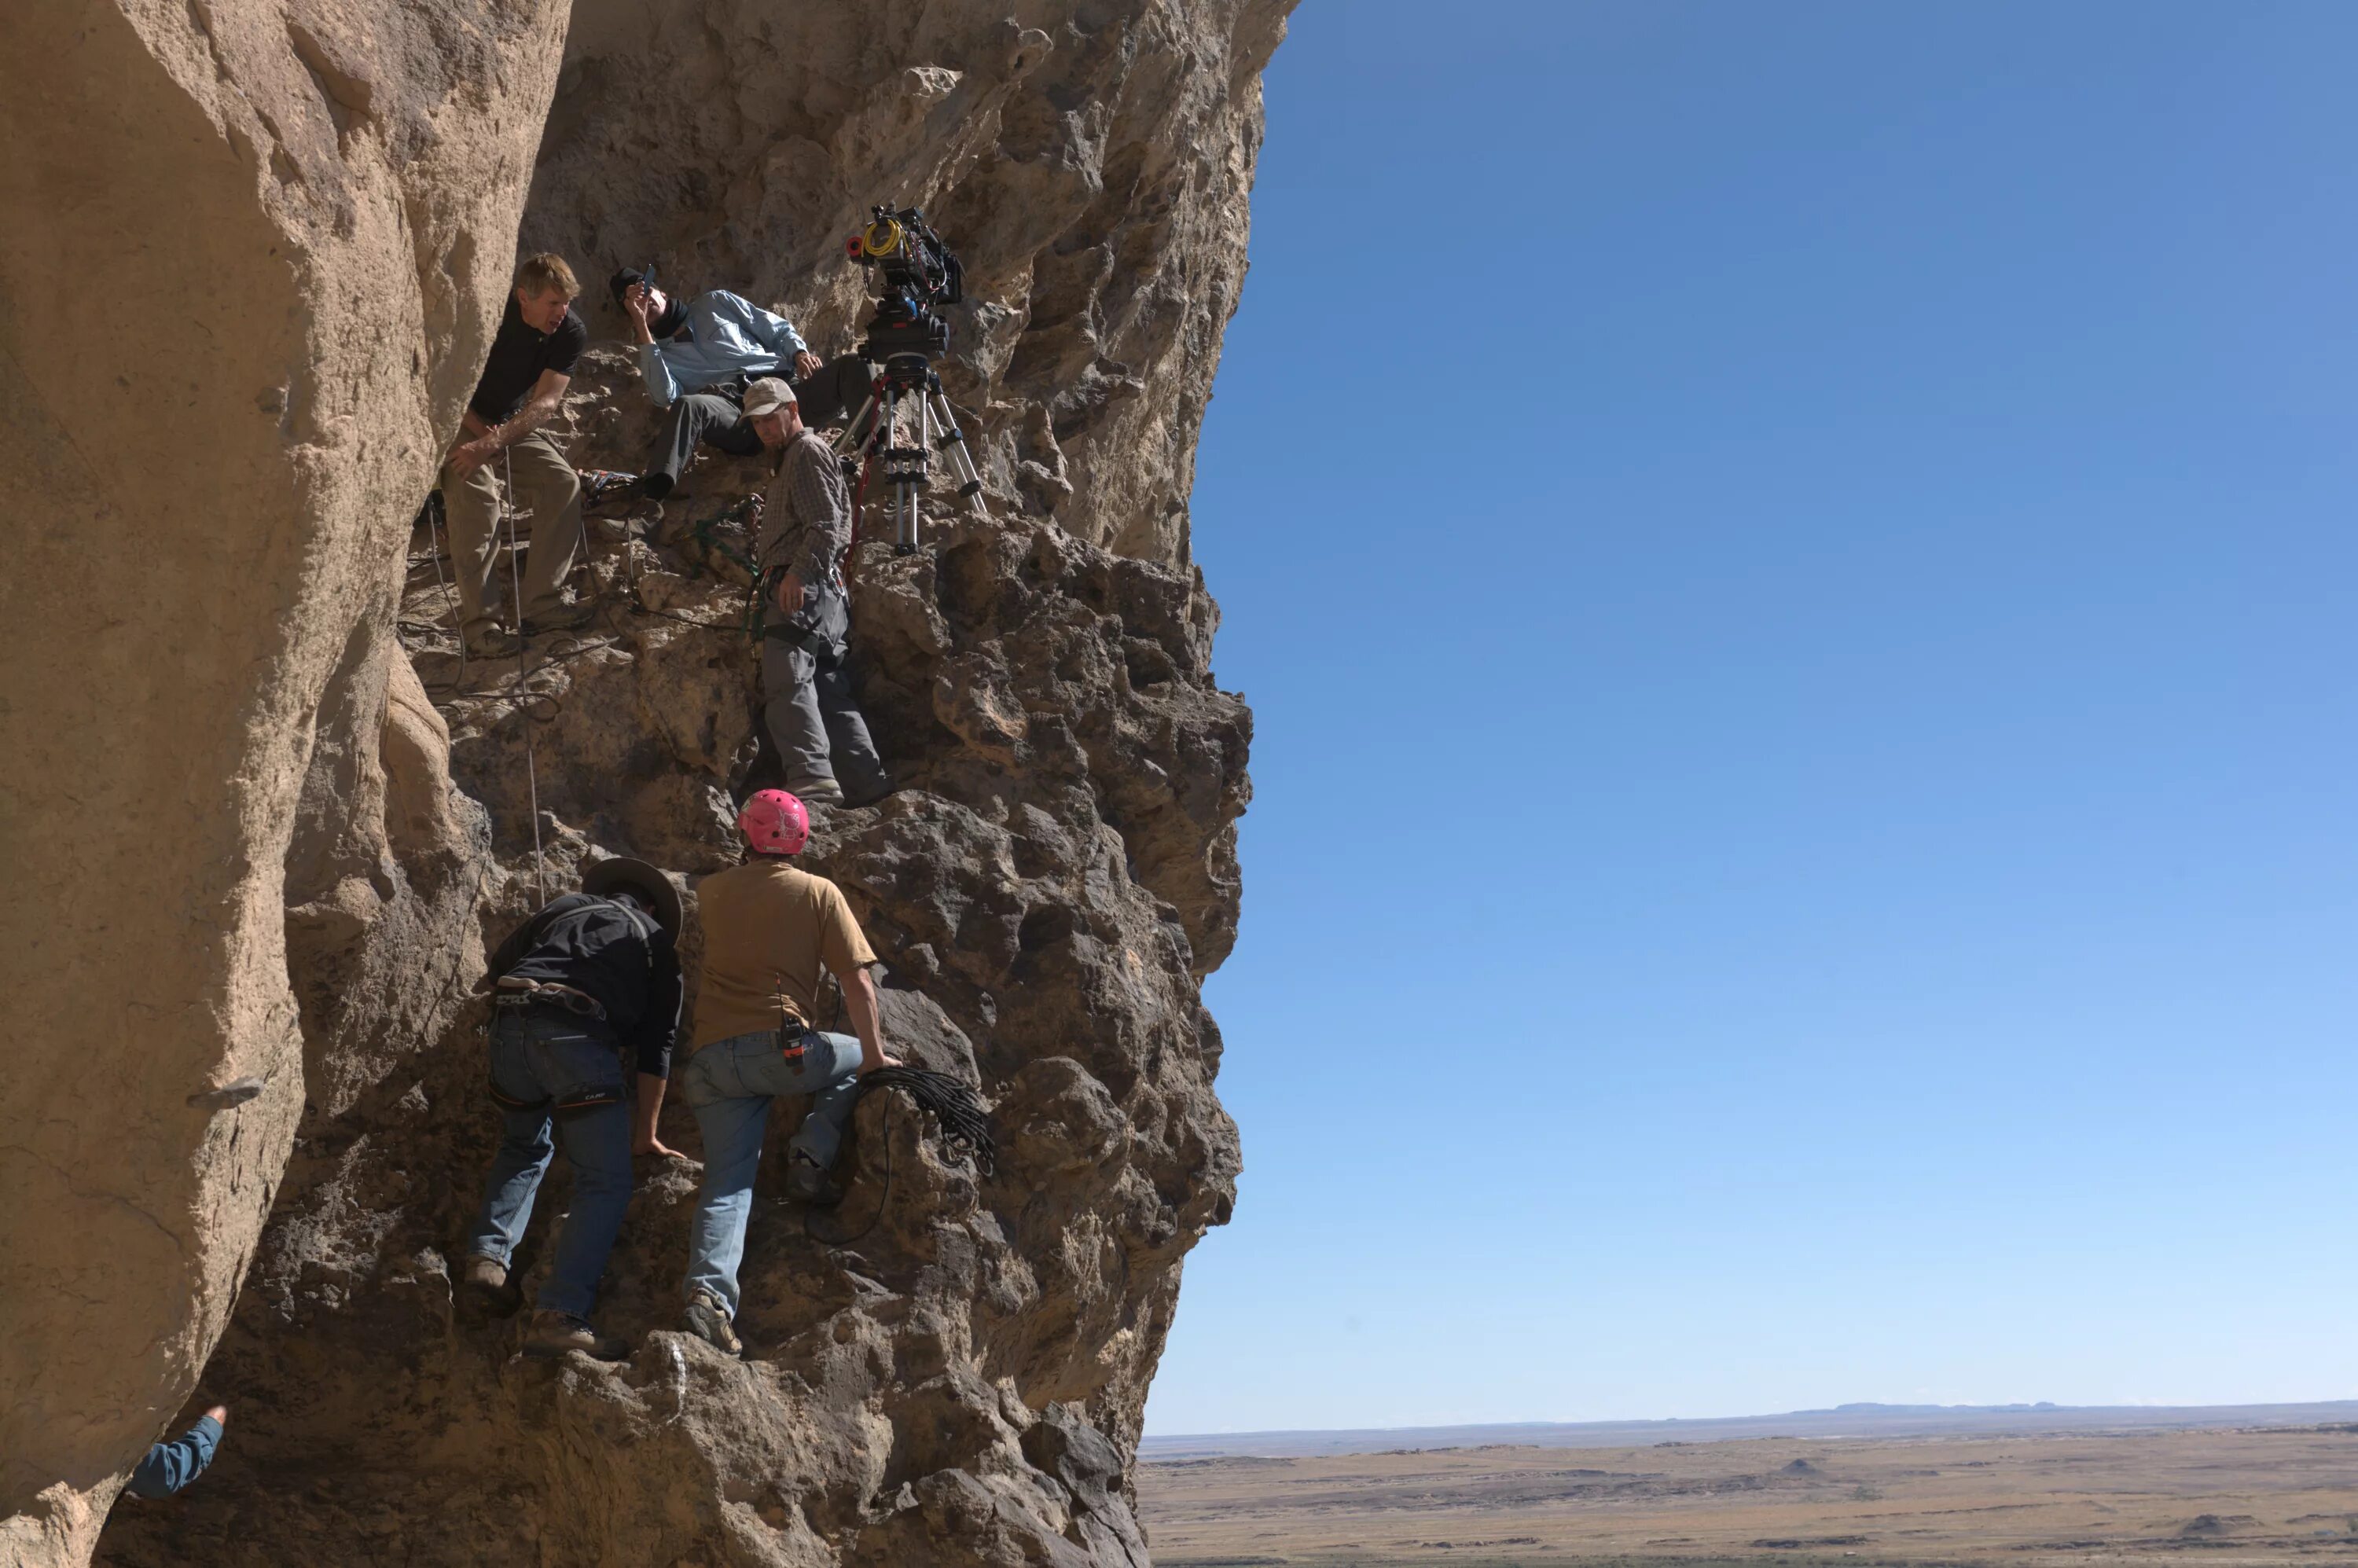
{"type": "Point", "coordinates": [949, 1367]}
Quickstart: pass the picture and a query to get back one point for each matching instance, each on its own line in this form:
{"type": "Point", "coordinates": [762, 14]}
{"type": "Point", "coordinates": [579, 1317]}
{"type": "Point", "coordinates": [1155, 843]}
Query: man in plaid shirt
{"type": "Point", "coordinates": [805, 528]}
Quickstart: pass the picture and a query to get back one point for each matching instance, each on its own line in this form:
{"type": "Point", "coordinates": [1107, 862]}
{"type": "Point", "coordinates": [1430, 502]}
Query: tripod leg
{"type": "Point", "coordinates": [951, 443]}
{"type": "Point", "coordinates": [889, 440]}
{"type": "Point", "coordinates": [851, 440]}
{"type": "Point", "coordinates": [914, 476]}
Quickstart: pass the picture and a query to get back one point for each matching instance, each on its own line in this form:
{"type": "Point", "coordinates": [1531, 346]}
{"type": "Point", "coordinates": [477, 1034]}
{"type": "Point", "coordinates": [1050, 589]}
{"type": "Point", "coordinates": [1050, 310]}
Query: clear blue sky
{"type": "Point", "coordinates": [1795, 567]}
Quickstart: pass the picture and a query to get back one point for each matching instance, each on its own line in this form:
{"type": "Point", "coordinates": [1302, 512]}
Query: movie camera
{"type": "Point", "coordinates": [906, 333]}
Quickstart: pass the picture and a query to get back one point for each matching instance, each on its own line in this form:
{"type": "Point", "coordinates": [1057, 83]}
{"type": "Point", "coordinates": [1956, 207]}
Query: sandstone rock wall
{"type": "Point", "coordinates": [1089, 158]}
{"type": "Point", "coordinates": [249, 252]}
{"type": "Point", "coordinates": [953, 1366]}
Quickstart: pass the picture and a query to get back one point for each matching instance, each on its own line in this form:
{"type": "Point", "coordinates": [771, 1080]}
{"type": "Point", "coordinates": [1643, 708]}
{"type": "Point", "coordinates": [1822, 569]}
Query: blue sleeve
{"type": "Point", "coordinates": [774, 332]}
{"type": "Point", "coordinates": [172, 1465]}
{"type": "Point", "coordinates": [657, 375]}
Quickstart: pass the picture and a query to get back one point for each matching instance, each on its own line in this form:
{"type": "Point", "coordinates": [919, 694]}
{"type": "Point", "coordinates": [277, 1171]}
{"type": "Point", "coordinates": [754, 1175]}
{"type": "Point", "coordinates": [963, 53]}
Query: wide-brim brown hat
{"type": "Point", "coordinates": [623, 875]}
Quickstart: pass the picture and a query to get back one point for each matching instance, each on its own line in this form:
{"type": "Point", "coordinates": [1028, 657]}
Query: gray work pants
{"type": "Point", "coordinates": [809, 706]}
{"type": "Point", "coordinates": [547, 487]}
{"type": "Point", "coordinates": [716, 417]}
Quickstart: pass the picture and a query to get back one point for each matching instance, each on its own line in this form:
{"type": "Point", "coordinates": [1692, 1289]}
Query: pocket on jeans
{"type": "Point", "coordinates": [580, 1072]}
{"type": "Point", "coordinates": [696, 1084]}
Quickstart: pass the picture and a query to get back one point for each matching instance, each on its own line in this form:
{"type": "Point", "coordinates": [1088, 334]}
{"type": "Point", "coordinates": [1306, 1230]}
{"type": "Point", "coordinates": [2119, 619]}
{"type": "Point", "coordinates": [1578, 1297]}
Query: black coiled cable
{"type": "Point", "coordinates": [966, 1128]}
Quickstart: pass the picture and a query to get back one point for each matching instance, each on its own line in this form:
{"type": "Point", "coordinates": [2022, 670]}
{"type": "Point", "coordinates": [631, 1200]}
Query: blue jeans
{"type": "Point", "coordinates": [729, 1084]}
{"type": "Point", "coordinates": [543, 1062]}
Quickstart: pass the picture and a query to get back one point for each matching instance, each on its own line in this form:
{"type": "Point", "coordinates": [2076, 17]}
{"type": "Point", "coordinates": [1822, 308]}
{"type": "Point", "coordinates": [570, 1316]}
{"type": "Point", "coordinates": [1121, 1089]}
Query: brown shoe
{"type": "Point", "coordinates": [560, 1334]}
{"type": "Point", "coordinates": [708, 1318]}
{"type": "Point", "coordinates": [817, 792]}
{"type": "Point", "coordinates": [489, 640]}
{"type": "Point", "coordinates": [565, 618]}
{"type": "Point", "coordinates": [483, 1288]}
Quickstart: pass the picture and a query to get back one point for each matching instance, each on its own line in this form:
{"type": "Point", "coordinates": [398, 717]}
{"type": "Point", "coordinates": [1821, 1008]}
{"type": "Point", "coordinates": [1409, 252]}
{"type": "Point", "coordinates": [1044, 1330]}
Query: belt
{"type": "Point", "coordinates": [516, 990]}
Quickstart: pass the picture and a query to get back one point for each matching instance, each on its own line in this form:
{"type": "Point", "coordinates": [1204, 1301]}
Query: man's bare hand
{"type": "Point", "coordinates": [469, 455]}
{"type": "Point", "coordinates": [635, 304]}
{"type": "Point", "coordinates": [220, 1415]}
{"type": "Point", "coordinates": [806, 365]}
{"type": "Point", "coordinates": [790, 592]}
{"type": "Point", "coordinates": [651, 1144]}
{"type": "Point", "coordinates": [886, 1060]}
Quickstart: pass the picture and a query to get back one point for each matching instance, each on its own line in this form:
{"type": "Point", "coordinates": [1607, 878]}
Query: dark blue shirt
{"type": "Point", "coordinates": [172, 1465]}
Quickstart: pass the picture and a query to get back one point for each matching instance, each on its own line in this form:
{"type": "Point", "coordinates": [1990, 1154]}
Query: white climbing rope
{"type": "Point", "coordinates": [515, 604]}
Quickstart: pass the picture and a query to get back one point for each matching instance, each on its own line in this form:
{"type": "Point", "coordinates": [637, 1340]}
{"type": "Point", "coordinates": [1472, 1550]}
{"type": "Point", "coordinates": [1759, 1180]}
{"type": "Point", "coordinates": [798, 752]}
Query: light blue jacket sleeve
{"type": "Point", "coordinates": [172, 1465]}
{"type": "Point", "coordinates": [657, 375]}
{"type": "Point", "coordinates": [774, 332]}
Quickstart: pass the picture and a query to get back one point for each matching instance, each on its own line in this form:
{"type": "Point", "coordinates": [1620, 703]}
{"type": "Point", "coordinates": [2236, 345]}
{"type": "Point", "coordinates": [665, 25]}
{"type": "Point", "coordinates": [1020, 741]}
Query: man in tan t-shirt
{"type": "Point", "coordinates": [769, 930]}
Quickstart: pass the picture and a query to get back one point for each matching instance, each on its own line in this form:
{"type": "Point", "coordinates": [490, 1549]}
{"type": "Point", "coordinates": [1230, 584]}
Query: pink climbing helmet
{"type": "Point", "coordinates": [775, 823]}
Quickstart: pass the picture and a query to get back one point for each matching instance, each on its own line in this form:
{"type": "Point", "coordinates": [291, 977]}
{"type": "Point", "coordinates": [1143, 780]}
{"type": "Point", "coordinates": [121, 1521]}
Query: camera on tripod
{"type": "Point", "coordinates": [920, 273]}
{"type": "Point", "coordinates": [906, 420]}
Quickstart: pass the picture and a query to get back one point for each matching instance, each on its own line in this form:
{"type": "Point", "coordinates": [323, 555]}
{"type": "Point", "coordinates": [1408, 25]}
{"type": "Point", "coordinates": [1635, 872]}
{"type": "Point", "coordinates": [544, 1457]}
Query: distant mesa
{"type": "Point", "coordinates": [2202, 1525]}
{"type": "Point", "coordinates": [1801, 1467]}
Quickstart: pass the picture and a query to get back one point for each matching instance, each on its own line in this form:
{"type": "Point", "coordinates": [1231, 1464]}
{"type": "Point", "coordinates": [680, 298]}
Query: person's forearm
{"type": "Point", "coordinates": [528, 419]}
{"type": "Point", "coordinates": [656, 375]}
{"type": "Point", "coordinates": [471, 424]}
{"type": "Point", "coordinates": [859, 1000]}
{"type": "Point", "coordinates": [649, 1107]}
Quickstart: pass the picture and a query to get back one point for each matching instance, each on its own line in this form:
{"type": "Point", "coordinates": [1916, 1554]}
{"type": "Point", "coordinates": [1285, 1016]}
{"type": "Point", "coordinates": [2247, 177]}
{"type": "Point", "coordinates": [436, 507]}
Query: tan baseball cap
{"type": "Point", "coordinates": [768, 395]}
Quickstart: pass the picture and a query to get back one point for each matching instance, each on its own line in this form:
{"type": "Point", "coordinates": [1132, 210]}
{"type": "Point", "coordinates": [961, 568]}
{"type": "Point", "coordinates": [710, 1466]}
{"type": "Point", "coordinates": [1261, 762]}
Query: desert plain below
{"type": "Point", "coordinates": [2216, 1495]}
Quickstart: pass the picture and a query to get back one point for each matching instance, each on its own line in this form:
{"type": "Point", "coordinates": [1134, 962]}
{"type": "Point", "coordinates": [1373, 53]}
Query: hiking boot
{"type": "Point", "coordinates": [561, 1333]}
{"type": "Point", "coordinates": [484, 1289]}
{"type": "Point", "coordinates": [806, 1181]}
{"type": "Point", "coordinates": [869, 796]}
{"type": "Point", "coordinates": [708, 1319]}
{"type": "Point", "coordinates": [561, 620]}
{"type": "Point", "coordinates": [489, 640]}
{"type": "Point", "coordinates": [818, 792]}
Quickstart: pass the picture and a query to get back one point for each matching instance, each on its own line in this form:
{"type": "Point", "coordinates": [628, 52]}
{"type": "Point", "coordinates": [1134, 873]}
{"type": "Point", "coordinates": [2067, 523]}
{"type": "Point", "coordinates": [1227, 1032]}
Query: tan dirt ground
{"type": "Point", "coordinates": [2213, 1497]}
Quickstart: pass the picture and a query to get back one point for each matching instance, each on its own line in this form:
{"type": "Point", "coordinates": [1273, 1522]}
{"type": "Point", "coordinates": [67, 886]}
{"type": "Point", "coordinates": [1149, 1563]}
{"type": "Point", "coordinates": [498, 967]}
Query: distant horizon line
{"type": "Point", "coordinates": [2156, 1412]}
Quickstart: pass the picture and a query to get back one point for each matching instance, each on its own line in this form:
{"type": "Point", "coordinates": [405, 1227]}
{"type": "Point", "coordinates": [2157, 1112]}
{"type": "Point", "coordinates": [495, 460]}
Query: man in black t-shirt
{"type": "Point", "coordinates": [523, 384]}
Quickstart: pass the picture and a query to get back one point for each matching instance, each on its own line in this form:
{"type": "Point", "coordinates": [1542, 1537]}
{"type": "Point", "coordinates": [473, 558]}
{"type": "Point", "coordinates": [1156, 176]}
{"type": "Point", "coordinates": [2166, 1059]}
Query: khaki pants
{"type": "Point", "coordinates": [547, 487]}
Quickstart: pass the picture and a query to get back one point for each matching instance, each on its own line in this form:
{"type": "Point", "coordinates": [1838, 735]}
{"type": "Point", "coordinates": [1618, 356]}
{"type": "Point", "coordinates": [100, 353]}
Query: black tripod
{"type": "Point", "coordinates": [909, 386]}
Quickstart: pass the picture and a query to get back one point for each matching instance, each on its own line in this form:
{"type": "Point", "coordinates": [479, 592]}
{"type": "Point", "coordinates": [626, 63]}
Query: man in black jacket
{"type": "Point", "coordinates": [590, 979]}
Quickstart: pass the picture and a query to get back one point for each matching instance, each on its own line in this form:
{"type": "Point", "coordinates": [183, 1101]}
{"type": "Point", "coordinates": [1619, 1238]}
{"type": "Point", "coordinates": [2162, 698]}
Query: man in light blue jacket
{"type": "Point", "coordinates": [696, 359]}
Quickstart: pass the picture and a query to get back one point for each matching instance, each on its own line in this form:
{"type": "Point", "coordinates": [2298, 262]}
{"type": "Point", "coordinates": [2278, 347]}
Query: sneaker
{"type": "Point", "coordinates": [806, 1181]}
{"type": "Point", "coordinates": [560, 1334]}
{"type": "Point", "coordinates": [560, 620]}
{"type": "Point", "coordinates": [483, 1288]}
{"type": "Point", "coordinates": [489, 640]}
{"type": "Point", "coordinates": [818, 792]}
{"type": "Point", "coordinates": [708, 1319]}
